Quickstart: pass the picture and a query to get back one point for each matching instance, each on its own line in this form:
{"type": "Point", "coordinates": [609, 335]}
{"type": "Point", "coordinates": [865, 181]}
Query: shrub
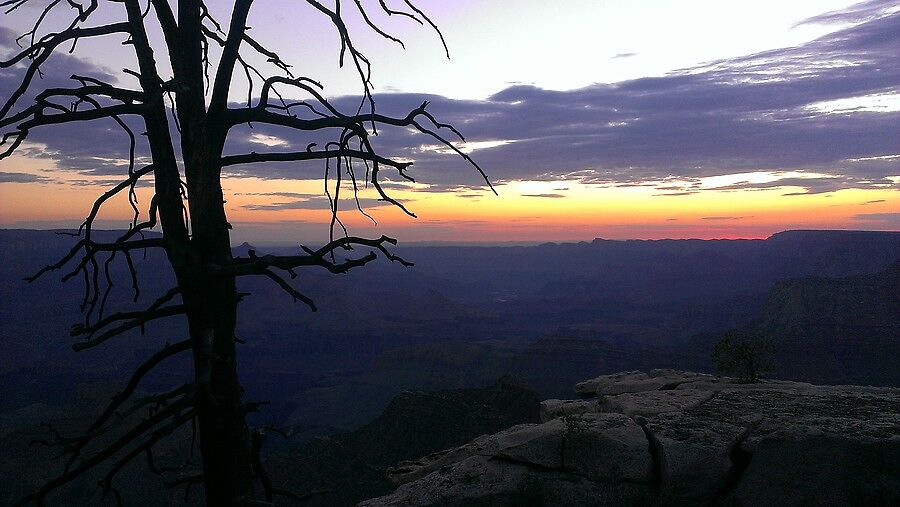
{"type": "Point", "coordinates": [744, 355]}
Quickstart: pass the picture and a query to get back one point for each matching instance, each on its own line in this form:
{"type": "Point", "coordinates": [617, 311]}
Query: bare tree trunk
{"type": "Point", "coordinates": [209, 295]}
{"type": "Point", "coordinates": [211, 299]}
{"type": "Point", "coordinates": [209, 290]}
{"type": "Point", "coordinates": [223, 432]}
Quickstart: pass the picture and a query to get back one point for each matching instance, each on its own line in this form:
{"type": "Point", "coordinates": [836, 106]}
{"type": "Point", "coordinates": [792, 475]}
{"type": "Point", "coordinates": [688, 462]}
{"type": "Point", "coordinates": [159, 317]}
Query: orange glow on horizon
{"type": "Point", "coordinates": [271, 210]}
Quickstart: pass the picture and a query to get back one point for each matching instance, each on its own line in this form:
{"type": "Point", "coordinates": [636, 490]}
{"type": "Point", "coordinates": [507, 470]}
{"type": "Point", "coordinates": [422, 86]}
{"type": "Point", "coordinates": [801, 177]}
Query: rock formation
{"type": "Point", "coordinates": [676, 438]}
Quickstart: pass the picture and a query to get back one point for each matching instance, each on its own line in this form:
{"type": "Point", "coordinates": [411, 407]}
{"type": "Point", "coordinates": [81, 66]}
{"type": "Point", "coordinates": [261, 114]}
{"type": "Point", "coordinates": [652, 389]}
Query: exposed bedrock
{"type": "Point", "coordinates": [669, 437]}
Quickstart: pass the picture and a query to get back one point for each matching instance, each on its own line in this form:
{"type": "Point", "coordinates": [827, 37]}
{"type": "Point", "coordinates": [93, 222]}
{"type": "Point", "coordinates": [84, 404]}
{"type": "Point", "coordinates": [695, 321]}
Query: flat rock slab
{"type": "Point", "coordinates": [638, 381]}
{"type": "Point", "coordinates": [485, 481]}
{"type": "Point", "coordinates": [654, 402]}
{"type": "Point", "coordinates": [678, 438]}
{"type": "Point", "coordinates": [551, 409]}
{"type": "Point", "coordinates": [598, 446]}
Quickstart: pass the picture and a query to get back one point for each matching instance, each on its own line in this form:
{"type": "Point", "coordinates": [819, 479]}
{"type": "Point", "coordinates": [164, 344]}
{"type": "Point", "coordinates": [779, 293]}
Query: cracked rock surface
{"type": "Point", "coordinates": [669, 437]}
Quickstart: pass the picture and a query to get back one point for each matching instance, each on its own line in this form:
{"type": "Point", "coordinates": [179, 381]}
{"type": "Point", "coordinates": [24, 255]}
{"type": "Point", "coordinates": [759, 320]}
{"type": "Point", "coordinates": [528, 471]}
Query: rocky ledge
{"type": "Point", "coordinates": [676, 438]}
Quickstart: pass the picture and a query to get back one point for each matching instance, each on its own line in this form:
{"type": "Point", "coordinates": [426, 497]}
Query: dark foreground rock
{"type": "Point", "coordinates": [676, 438]}
{"type": "Point", "coordinates": [346, 468]}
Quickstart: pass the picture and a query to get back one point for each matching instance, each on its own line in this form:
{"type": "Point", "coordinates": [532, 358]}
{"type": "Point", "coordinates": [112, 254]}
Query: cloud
{"type": "Point", "coordinates": [885, 219]}
{"type": "Point", "coordinates": [624, 55]}
{"type": "Point", "coordinates": [812, 185]}
{"type": "Point", "coordinates": [677, 194]}
{"type": "Point", "coordinates": [7, 177]}
{"type": "Point", "coordinates": [308, 201]}
{"type": "Point", "coordinates": [7, 37]}
{"type": "Point", "coordinates": [107, 182]}
{"type": "Point", "coordinates": [547, 196]}
{"type": "Point", "coordinates": [729, 116]}
{"type": "Point", "coordinates": [316, 203]}
{"type": "Point", "coordinates": [96, 147]}
{"type": "Point", "coordinates": [736, 115]}
{"type": "Point", "coordinates": [297, 195]}
{"type": "Point", "coordinates": [443, 223]}
{"type": "Point", "coordinates": [724, 218]}
{"type": "Point", "coordinates": [857, 13]}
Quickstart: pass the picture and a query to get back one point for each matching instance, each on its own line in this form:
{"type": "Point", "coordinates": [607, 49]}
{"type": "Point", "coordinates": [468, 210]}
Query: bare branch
{"type": "Point", "coordinates": [136, 376]}
{"type": "Point", "coordinates": [138, 319]}
{"type": "Point", "coordinates": [112, 92]}
{"type": "Point", "coordinates": [169, 26]}
{"type": "Point", "coordinates": [156, 400]}
{"type": "Point", "coordinates": [229, 56]}
{"type": "Point", "coordinates": [290, 290]}
{"type": "Point", "coordinates": [373, 26]}
{"type": "Point", "coordinates": [391, 12]}
{"type": "Point", "coordinates": [259, 265]}
{"type": "Point", "coordinates": [129, 389]}
{"type": "Point", "coordinates": [44, 48]}
{"type": "Point", "coordinates": [81, 329]}
{"type": "Point", "coordinates": [175, 410]}
{"type": "Point", "coordinates": [92, 247]}
{"type": "Point", "coordinates": [272, 57]}
{"type": "Point", "coordinates": [298, 156]}
{"type": "Point", "coordinates": [433, 26]}
{"type": "Point", "coordinates": [145, 446]}
{"type": "Point", "coordinates": [43, 120]}
{"type": "Point", "coordinates": [360, 62]}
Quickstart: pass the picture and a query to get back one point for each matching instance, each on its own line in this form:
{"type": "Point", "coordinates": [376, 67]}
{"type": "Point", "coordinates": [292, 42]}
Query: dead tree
{"type": "Point", "coordinates": [187, 203]}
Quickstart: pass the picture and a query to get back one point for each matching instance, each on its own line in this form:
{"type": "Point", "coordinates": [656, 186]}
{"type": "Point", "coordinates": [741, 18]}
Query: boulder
{"type": "Point", "coordinates": [607, 448]}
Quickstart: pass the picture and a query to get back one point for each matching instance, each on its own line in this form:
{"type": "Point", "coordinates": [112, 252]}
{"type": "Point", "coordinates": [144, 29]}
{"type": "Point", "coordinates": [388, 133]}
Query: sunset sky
{"type": "Point", "coordinates": [614, 119]}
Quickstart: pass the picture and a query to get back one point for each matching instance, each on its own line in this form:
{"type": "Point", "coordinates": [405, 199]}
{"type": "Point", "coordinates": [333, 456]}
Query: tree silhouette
{"type": "Point", "coordinates": [186, 162]}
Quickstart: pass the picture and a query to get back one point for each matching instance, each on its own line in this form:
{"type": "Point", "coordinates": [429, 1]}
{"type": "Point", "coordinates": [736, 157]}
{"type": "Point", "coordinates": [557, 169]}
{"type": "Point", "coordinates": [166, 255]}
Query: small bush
{"type": "Point", "coordinates": [575, 424]}
{"type": "Point", "coordinates": [744, 355]}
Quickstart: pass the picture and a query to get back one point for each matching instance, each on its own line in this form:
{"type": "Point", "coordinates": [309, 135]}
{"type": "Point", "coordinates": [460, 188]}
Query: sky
{"type": "Point", "coordinates": [614, 119]}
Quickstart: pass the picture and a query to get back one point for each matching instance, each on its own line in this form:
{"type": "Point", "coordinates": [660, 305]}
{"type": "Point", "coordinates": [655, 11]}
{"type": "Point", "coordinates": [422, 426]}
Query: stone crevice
{"type": "Point", "coordinates": [656, 458]}
{"type": "Point", "coordinates": [529, 464]}
{"type": "Point", "coordinates": [740, 459]}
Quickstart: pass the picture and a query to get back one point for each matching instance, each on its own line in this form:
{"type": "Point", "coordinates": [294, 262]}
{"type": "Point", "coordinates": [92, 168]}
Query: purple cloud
{"type": "Point", "coordinates": [883, 219]}
{"type": "Point", "coordinates": [317, 203]}
{"type": "Point", "coordinates": [8, 177]}
{"type": "Point", "coordinates": [735, 115]}
{"type": "Point", "coordinates": [546, 196]}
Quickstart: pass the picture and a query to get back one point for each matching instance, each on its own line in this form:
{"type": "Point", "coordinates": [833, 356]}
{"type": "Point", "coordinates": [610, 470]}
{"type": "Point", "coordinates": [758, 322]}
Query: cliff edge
{"type": "Point", "coordinates": [676, 438]}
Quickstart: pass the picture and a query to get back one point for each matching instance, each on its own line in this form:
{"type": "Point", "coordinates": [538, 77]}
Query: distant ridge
{"type": "Point", "coordinates": [836, 330]}
{"type": "Point", "coordinates": [827, 233]}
